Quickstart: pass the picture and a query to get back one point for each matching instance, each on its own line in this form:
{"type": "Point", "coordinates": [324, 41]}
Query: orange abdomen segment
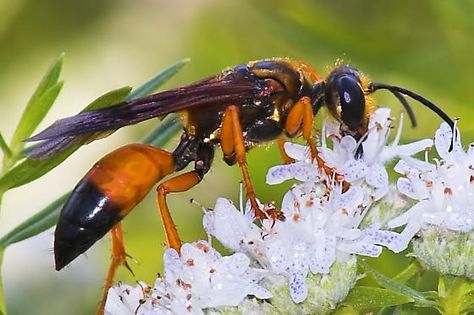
{"type": "Point", "coordinates": [105, 195]}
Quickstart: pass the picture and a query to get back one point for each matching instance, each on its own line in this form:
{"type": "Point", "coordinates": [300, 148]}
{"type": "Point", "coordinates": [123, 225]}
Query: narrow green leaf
{"type": "Point", "coordinates": [409, 272]}
{"type": "Point", "coordinates": [419, 297]}
{"type": "Point", "coordinates": [455, 294]}
{"type": "Point", "coordinates": [167, 129]}
{"type": "Point", "coordinates": [108, 99]}
{"type": "Point", "coordinates": [158, 80]}
{"type": "Point", "coordinates": [4, 147]}
{"type": "Point", "coordinates": [38, 105]}
{"type": "Point", "coordinates": [36, 113]}
{"type": "Point", "coordinates": [50, 78]}
{"type": "Point", "coordinates": [36, 224]}
{"type": "Point", "coordinates": [29, 170]}
{"type": "Point", "coordinates": [362, 297]}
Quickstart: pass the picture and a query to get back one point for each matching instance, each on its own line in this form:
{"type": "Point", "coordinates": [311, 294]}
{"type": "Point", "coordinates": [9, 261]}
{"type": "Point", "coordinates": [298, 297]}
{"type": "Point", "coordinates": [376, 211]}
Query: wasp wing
{"type": "Point", "coordinates": [63, 133]}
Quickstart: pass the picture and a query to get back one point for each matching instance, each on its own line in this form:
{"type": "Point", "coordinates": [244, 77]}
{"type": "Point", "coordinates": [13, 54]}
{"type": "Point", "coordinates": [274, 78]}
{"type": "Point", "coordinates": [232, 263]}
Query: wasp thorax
{"type": "Point", "coordinates": [345, 97]}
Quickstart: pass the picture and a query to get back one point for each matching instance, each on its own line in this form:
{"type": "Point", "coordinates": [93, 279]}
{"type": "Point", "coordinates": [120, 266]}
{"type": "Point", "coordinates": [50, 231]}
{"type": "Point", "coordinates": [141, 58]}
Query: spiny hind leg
{"type": "Point", "coordinates": [281, 147]}
{"type": "Point", "coordinates": [233, 146]}
{"type": "Point", "coordinates": [181, 183]}
{"type": "Point", "coordinates": [119, 258]}
{"type": "Point", "coordinates": [301, 117]}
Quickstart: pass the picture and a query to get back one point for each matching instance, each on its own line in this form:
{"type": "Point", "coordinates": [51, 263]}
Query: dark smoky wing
{"type": "Point", "coordinates": [131, 112]}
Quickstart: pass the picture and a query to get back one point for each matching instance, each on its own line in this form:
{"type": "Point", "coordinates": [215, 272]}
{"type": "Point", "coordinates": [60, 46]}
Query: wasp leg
{"type": "Point", "coordinates": [232, 143]}
{"type": "Point", "coordinates": [301, 117]}
{"type": "Point", "coordinates": [180, 183]}
{"type": "Point", "coordinates": [119, 258]}
{"type": "Point", "coordinates": [281, 146]}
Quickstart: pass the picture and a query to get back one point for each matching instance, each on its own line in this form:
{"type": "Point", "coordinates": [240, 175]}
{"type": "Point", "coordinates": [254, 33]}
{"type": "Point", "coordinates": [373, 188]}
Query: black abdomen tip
{"type": "Point", "coordinates": [85, 218]}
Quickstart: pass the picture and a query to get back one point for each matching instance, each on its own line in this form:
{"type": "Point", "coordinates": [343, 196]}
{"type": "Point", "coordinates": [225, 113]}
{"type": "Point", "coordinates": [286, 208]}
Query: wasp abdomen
{"type": "Point", "coordinates": [105, 195]}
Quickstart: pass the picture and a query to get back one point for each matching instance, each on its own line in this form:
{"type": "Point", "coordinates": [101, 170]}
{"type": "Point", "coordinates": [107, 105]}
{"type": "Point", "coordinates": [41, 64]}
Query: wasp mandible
{"type": "Point", "coordinates": [235, 110]}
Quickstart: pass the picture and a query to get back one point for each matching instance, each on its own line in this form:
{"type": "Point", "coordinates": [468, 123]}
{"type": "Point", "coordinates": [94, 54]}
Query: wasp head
{"type": "Point", "coordinates": [346, 100]}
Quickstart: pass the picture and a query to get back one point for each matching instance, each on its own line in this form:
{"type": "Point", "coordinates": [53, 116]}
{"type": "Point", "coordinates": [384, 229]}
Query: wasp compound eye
{"type": "Point", "coordinates": [351, 100]}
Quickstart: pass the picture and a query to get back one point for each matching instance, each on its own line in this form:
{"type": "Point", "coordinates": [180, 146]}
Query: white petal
{"type": "Point", "coordinates": [360, 248]}
{"type": "Point", "coordinates": [228, 224]}
{"type": "Point", "coordinates": [324, 255]}
{"type": "Point", "coordinates": [390, 152]}
{"type": "Point", "coordinates": [172, 263]}
{"type": "Point", "coordinates": [414, 190]}
{"type": "Point", "coordinates": [407, 234]}
{"type": "Point", "coordinates": [413, 214]}
{"type": "Point", "coordinates": [349, 144]}
{"type": "Point", "coordinates": [377, 176]}
{"type": "Point", "coordinates": [460, 222]}
{"type": "Point", "coordinates": [378, 194]}
{"type": "Point", "coordinates": [379, 116]}
{"type": "Point", "coordinates": [354, 170]}
{"type": "Point", "coordinates": [349, 200]}
{"type": "Point", "coordinates": [277, 255]}
{"type": "Point", "coordinates": [443, 139]}
{"type": "Point", "coordinates": [297, 151]}
{"type": "Point", "coordinates": [300, 170]}
{"type": "Point", "coordinates": [384, 238]}
{"type": "Point", "coordinates": [298, 290]}
{"type": "Point", "coordinates": [260, 292]}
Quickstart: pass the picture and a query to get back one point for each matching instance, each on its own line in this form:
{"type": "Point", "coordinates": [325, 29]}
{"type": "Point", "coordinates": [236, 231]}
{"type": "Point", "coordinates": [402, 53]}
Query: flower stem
{"type": "Point", "coordinates": [455, 295]}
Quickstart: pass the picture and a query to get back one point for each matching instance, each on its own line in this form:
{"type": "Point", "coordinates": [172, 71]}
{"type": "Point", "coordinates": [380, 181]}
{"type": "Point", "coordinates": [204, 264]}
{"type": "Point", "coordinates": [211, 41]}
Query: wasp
{"type": "Point", "coordinates": [235, 110]}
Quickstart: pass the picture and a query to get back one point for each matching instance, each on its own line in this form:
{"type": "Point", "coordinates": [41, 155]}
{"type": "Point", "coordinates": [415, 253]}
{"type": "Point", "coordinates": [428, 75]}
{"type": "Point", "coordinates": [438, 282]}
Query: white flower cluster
{"type": "Point", "coordinates": [305, 258]}
{"type": "Point", "coordinates": [444, 208]}
{"type": "Point", "coordinates": [444, 191]}
{"type": "Point", "coordinates": [197, 279]}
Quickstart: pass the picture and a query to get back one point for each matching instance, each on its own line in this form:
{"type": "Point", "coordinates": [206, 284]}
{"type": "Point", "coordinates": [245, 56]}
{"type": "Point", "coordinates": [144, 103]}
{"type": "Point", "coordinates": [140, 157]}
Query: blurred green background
{"type": "Point", "coordinates": [426, 46]}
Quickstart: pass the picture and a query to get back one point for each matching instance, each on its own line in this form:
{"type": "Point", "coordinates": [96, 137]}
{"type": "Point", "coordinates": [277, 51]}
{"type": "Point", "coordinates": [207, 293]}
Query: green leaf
{"type": "Point", "coordinates": [4, 147]}
{"type": "Point", "coordinates": [158, 80]}
{"type": "Point", "coordinates": [362, 297]}
{"type": "Point", "coordinates": [29, 170]}
{"type": "Point", "coordinates": [38, 105]}
{"type": "Point", "coordinates": [36, 224]}
{"type": "Point", "coordinates": [409, 272]}
{"type": "Point", "coordinates": [108, 99]}
{"type": "Point", "coordinates": [455, 295]}
{"type": "Point", "coordinates": [418, 297]}
{"type": "Point", "coordinates": [167, 129]}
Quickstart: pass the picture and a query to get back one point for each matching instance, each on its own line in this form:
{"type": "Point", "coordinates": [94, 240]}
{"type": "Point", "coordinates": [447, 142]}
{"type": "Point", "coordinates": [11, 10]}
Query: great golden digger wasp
{"type": "Point", "coordinates": [235, 110]}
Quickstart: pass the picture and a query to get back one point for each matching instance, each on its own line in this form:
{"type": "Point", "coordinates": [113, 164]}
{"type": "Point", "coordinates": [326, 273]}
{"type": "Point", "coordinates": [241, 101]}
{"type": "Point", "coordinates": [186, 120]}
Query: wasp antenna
{"type": "Point", "coordinates": [406, 105]}
{"type": "Point", "coordinates": [401, 91]}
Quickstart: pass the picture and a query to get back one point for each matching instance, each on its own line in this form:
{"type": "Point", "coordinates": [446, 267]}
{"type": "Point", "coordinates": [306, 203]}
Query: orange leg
{"type": "Point", "coordinates": [281, 146]}
{"type": "Point", "coordinates": [232, 142]}
{"type": "Point", "coordinates": [301, 117]}
{"type": "Point", "coordinates": [119, 258]}
{"type": "Point", "coordinates": [179, 183]}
